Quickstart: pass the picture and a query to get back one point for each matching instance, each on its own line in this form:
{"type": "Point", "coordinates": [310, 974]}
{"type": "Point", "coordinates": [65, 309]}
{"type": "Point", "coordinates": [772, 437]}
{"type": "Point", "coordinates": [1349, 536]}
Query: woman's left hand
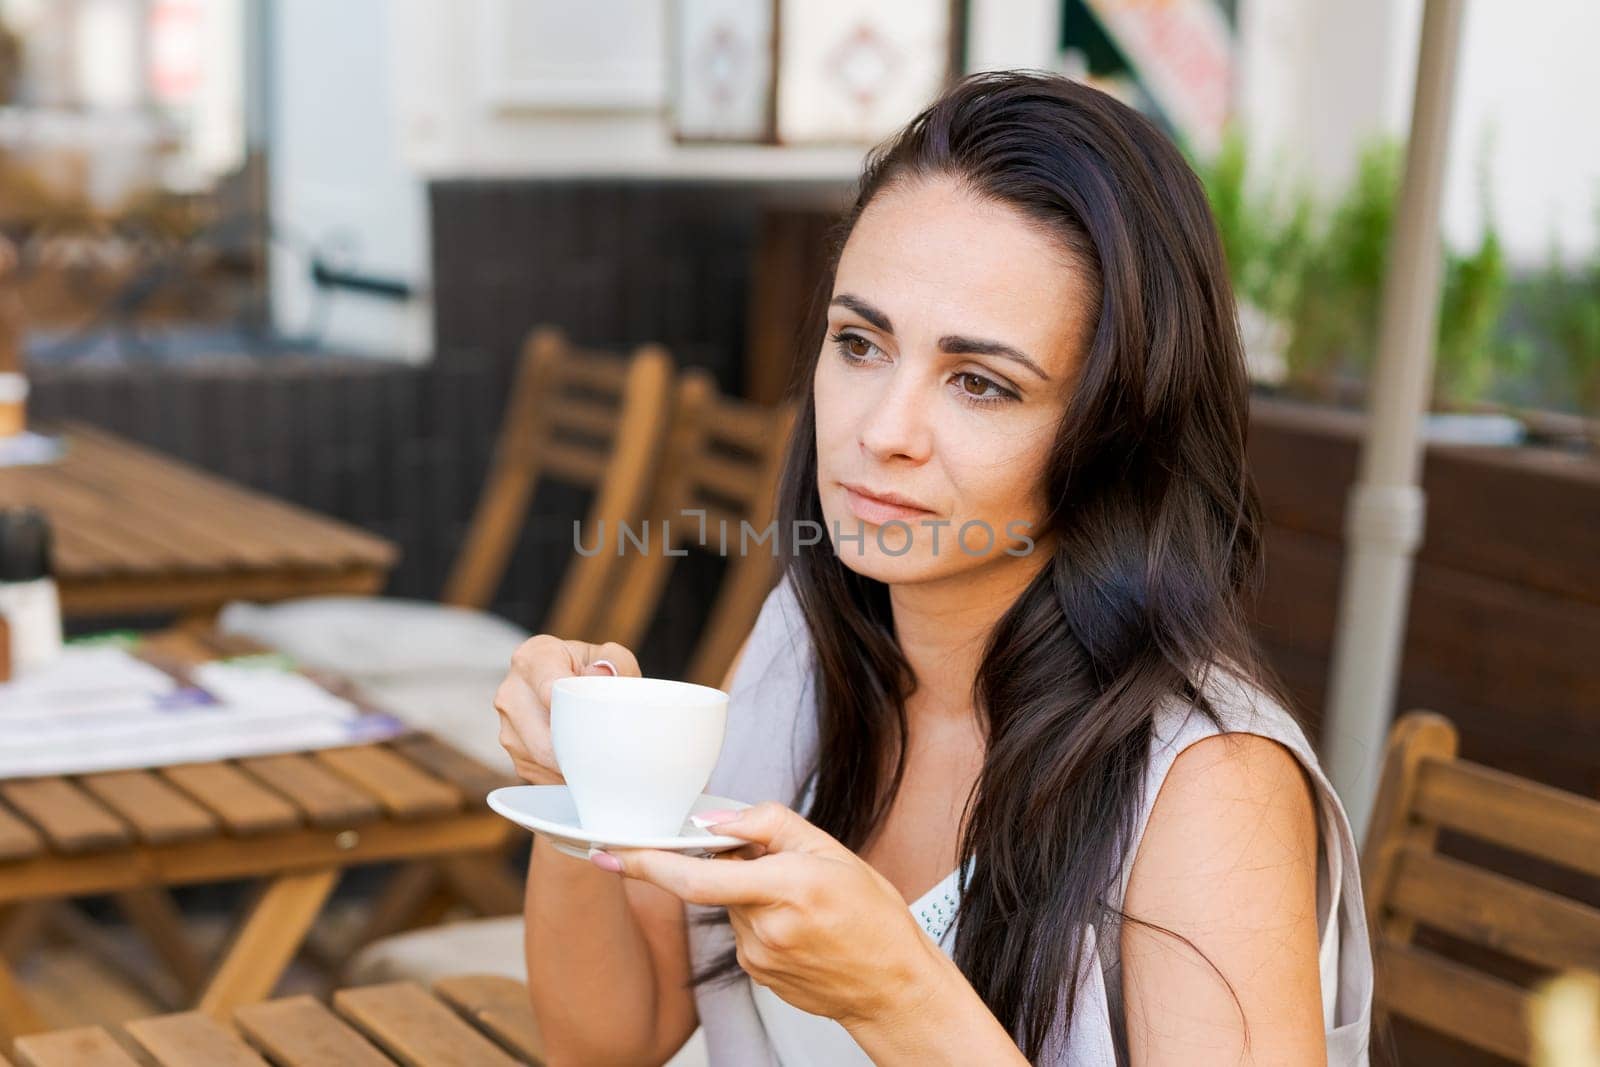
{"type": "Point", "coordinates": [812, 921]}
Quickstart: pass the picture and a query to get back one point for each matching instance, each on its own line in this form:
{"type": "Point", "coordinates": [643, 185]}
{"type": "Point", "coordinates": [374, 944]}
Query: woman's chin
{"type": "Point", "coordinates": [906, 569]}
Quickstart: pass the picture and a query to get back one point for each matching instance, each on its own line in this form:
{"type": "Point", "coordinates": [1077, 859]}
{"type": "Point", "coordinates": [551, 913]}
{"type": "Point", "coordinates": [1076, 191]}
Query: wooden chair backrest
{"type": "Point", "coordinates": [1407, 882]}
{"type": "Point", "coordinates": [723, 458]}
{"type": "Point", "coordinates": [575, 416]}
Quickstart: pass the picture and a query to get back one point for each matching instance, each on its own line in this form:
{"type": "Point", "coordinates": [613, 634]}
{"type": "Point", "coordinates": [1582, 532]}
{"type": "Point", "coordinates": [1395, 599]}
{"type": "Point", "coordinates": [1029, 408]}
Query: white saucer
{"type": "Point", "coordinates": [547, 810]}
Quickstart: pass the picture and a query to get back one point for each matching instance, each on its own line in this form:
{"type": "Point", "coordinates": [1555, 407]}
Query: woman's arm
{"type": "Point", "coordinates": [1228, 867]}
{"type": "Point", "coordinates": [944, 1022]}
{"type": "Point", "coordinates": [608, 964]}
{"type": "Point", "coordinates": [608, 960]}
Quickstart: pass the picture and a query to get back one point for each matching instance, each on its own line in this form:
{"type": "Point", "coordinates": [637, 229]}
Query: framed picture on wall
{"type": "Point", "coordinates": [723, 63]}
{"type": "Point", "coordinates": [853, 73]}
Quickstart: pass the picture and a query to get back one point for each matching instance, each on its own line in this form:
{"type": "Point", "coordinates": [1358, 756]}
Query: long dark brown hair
{"type": "Point", "coordinates": [1152, 525]}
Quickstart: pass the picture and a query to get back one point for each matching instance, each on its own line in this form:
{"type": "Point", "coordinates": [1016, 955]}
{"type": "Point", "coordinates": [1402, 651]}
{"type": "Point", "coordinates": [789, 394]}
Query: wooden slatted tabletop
{"type": "Point", "coordinates": [139, 532]}
{"type": "Point", "coordinates": [481, 1021]}
{"type": "Point", "coordinates": [291, 822]}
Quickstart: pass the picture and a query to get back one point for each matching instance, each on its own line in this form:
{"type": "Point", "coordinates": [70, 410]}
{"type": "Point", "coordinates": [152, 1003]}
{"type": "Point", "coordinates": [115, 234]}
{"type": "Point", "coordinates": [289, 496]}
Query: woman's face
{"type": "Point", "coordinates": [954, 333]}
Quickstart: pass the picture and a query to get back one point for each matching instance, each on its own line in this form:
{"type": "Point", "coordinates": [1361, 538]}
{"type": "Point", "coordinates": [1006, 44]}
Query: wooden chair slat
{"type": "Point", "coordinates": [597, 371]}
{"type": "Point", "coordinates": [70, 819]}
{"type": "Point", "coordinates": [508, 487]}
{"type": "Point", "coordinates": [585, 417]}
{"type": "Point", "coordinates": [242, 804]}
{"type": "Point", "coordinates": [1467, 993]}
{"type": "Point", "coordinates": [1497, 912]}
{"type": "Point", "coordinates": [746, 426]}
{"type": "Point", "coordinates": [546, 396]}
{"type": "Point", "coordinates": [158, 813]}
{"type": "Point", "coordinates": [750, 577]}
{"type": "Point", "coordinates": [1454, 999]}
{"type": "Point", "coordinates": [326, 799]}
{"type": "Point", "coordinates": [415, 1028]}
{"type": "Point", "coordinates": [1513, 812]}
{"type": "Point", "coordinates": [86, 1046]}
{"type": "Point", "coordinates": [574, 463]}
{"type": "Point", "coordinates": [404, 789]}
{"type": "Point", "coordinates": [623, 495]}
{"type": "Point", "coordinates": [451, 764]}
{"type": "Point", "coordinates": [728, 478]}
{"type": "Point", "coordinates": [192, 1039]}
{"type": "Point", "coordinates": [698, 419]}
{"type": "Point", "coordinates": [17, 838]}
{"type": "Point", "coordinates": [300, 1032]}
{"type": "Point", "coordinates": [498, 1006]}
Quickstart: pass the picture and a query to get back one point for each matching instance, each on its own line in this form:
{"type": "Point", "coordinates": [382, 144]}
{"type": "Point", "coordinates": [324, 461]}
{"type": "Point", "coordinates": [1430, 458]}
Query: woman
{"type": "Point", "coordinates": [1011, 686]}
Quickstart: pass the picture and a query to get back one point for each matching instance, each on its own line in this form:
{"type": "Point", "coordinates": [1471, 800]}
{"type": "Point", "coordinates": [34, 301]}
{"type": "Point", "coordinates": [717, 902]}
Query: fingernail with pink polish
{"type": "Point", "coordinates": [605, 861]}
{"type": "Point", "coordinates": [708, 819]}
{"type": "Point", "coordinates": [605, 665]}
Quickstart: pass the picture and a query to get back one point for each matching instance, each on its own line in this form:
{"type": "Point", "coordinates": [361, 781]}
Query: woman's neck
{"type": "Point", "coordinates": [943, 627]}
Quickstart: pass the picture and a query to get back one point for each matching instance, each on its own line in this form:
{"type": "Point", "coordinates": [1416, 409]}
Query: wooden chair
{"type": "Point", "coordinates": [1408, 883]}
{"type": "Point", "coordinates": [723, 456]}
{"type": "Point", "coordinates": [584, 418]}
{"type": "Point", "coordinates": [721, 467]}
{"type": "Point", "coordinates": [574, 416]}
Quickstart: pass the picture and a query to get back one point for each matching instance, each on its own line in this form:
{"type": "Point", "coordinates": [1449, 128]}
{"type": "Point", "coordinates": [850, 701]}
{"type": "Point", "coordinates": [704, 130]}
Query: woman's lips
{"type": "Point", "coordinates": [874, 510]}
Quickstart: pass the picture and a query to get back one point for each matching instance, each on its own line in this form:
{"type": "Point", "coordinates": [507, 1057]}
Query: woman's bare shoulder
{"type": "Point", "coordinates": [1225, 877]}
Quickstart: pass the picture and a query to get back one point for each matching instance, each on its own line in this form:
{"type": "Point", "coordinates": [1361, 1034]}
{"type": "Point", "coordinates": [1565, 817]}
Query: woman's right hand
{"type": "Point", "coordinates": [523, 699]}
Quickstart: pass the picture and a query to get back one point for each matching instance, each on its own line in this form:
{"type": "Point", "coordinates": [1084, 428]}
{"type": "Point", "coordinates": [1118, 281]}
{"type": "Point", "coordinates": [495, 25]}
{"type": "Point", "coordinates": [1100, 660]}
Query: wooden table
{"type": "Point", "coordinates": [139, 532]}
{"type": "Point", "coordinates": [481, 1021]}
{"type": "Point", "coordinates": [292, 823]}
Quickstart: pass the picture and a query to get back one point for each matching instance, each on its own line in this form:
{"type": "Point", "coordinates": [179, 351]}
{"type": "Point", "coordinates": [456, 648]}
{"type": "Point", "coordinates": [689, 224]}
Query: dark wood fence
{"type": "Point", "coordinates": [1503, 634]}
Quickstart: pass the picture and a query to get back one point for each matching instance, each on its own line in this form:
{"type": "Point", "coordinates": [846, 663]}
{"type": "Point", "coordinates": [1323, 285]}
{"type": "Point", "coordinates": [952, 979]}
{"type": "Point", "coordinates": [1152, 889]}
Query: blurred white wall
{"type": "Point", "coordinates": [337, 180]}
{"type": "Point", "coordinates": [1318, 80]}
{"type": "Point", "coordinates": [1526, 119]}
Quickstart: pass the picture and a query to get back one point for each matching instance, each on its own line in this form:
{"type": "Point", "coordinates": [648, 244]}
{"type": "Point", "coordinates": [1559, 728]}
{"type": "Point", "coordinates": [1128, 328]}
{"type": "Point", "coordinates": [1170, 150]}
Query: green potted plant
{"type": "Point", "coordinates": [1310, 284]}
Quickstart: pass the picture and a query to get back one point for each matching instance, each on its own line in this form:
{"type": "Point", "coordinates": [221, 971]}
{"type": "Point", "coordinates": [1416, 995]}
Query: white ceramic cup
{"type": "Point", "coordinates": [636, 752]}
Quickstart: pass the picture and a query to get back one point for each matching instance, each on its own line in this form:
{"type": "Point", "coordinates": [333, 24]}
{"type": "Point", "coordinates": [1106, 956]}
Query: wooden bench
{"type": "Point", "coordinates": [1412, 886]}
{"type": "Point", "coordinates": [468, 1020]}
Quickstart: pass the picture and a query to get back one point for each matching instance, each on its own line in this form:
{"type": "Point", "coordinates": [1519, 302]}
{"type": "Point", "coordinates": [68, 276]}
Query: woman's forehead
{"type": "Point", "coordinates": [937, 260]}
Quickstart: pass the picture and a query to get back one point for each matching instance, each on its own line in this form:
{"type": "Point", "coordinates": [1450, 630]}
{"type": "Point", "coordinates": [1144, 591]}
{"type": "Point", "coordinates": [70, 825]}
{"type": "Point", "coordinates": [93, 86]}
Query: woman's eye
{"type": "Point", "coordinates": [978, 389]}
{"type": "Point", "coordinates": [854, 347]}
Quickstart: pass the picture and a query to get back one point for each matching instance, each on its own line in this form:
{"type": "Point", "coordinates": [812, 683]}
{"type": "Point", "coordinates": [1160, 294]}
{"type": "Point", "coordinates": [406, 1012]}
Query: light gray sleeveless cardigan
{"type": "Point", "coordinates": [772, 736]}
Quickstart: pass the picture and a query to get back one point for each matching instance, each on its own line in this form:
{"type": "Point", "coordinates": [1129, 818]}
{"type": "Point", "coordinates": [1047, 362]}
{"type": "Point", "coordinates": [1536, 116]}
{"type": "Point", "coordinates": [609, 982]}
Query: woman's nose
{"type": "Point", "coordinates": [895, 419]}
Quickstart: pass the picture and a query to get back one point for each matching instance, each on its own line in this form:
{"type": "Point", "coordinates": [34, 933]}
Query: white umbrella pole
{"type": "Point", "coordinates": [1383, 524]}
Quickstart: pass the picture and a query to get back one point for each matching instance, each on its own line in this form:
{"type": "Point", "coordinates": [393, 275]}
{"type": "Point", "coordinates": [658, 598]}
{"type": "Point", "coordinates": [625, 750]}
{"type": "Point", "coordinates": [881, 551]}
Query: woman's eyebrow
{"type": "Point", "coordinates": [955, 344]}
{"type": "Point", "coordinates": [950, 344]}
{"type": "Point", "coordinates": [865, 310]}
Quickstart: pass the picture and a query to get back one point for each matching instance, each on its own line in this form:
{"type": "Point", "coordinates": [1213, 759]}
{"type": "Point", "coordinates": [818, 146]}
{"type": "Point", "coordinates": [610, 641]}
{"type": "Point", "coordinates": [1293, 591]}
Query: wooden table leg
{"type": "Point", "coordinates": [90, 937]}
{"type": "Point", "coordinates": [152, 910]}
{"type": "Point", "coordinates": [403, 897]}
{"type": "Point", "coordinates": [17, 1014]}
{"type": "Point", "coordinates": [484, 880]}
{"type": "Point", "coordinates": [267, 940]}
